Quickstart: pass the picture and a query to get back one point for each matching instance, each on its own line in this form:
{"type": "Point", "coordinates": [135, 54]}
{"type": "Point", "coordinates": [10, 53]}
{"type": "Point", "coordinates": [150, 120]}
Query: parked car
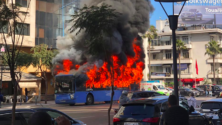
{"type": "Point", "coordinates": [22, 116]}
{"type": "Point", "coordinates": [187, 92]}
{"type": "Point", "coordinates": [216, 90]}
{"type": "Point", "coordinates": [193, 14]}
{"type": "Point", "coordinates": [202, 92]}
{"type": "Point", "coordinates": [210, 108]}
{"type": "Point", "coordinates": [148, 112]}
{"type": "Point", "coordinates": [142, 94]}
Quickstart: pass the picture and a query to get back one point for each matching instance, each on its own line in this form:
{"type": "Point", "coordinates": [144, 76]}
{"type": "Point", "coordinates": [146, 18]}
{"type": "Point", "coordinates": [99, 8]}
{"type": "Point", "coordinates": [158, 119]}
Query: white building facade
{"type": "Point", "coordinates": [195, 39]}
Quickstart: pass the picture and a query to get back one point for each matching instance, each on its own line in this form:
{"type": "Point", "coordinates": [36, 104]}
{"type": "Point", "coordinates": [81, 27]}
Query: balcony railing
{"type": "Point", "coordinates": [200, 27]}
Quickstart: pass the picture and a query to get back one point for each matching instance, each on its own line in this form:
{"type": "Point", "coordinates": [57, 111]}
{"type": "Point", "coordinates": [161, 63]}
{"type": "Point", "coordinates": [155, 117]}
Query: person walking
{"type": "Point", "coordinates": [1, 98]}
{"type": "Point", "coordinates": [26, 95]}
{"type": "Point", "coordinates": [205, 89]}
{"type": "Point", "coordinates": [174, 115]}
{"type": "Point", "coordinates": [123, 99]}
{"type": "Point", "coordinates": [192, 101]}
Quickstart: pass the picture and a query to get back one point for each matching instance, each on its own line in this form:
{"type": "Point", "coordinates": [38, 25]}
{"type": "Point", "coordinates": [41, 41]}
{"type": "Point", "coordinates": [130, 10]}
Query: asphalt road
{"type": "Point", "coordinates": [90, 114]}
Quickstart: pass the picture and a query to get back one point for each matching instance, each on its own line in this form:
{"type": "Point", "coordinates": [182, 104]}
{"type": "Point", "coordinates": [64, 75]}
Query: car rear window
{"type": "Point", "coordinates": [211, 105]}
{"type": "Point", "coordinates": [138, 109]}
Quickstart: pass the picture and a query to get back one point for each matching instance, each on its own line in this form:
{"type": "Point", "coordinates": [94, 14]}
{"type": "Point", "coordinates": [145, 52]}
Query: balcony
{"type": "Point", "coordinates": [183, 75]}
{"type": "Point", "coordinates": [217, 75]}
{"type": "Point", "coordinates": [217, 60]}
{"type": "Point", "coordinates": [165, 45]}
{"type": "Point", "coordinates": [170, 61]}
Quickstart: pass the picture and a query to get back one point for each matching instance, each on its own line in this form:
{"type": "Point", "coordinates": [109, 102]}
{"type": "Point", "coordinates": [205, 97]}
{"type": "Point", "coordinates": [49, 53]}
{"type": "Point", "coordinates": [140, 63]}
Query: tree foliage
{"type": "Point", "coordinates": [97, 23]}
{"type": "Point", "coordinates": [180, 45]}
{"type": "Point", "coordinates": [151, 34]}
{"type": "Point", "coordinates": [213, 48]}
{"type": "Point", "coordinates": [42, 57]}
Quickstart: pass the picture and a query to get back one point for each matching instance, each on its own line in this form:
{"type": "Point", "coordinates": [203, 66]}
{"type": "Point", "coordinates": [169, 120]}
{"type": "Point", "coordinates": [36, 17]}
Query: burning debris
{"type": "Point", "coordinates": [127, 50]}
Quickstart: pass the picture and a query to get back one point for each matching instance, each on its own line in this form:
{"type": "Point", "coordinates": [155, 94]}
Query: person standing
{"type": "Point", "coordinates": [26, 94]}
{"type": "Point", "coordinates": [192, 101]}
{"type": "Point", "coordinates": [174, 115]}
{"type": "Point", "coordinates": [205, 89]}
{"type": "Point", "coordinates": [1, 98]}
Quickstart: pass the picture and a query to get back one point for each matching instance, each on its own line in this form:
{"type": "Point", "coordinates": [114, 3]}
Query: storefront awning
{"type": "Point", "coordinates": [192, 80]}
{"type": "Point", "coordinates": [165, 38]}
{"type": "Point", "coordinates": [28, 84]}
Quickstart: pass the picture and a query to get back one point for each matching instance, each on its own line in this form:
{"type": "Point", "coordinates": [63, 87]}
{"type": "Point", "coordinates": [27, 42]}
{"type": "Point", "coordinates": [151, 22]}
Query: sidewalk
{"type": "Point", "coordinates": [27, 105]}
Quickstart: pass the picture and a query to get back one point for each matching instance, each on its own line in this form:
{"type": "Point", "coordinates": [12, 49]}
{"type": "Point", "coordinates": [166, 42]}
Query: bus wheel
{"type": "Point", "coordinates": [89, 100]}
{"type": "Point", "coordinates": [71, 104]}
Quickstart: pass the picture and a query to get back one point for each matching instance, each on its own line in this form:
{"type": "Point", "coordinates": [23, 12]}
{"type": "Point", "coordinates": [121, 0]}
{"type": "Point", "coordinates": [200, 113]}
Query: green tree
{"type": "Point", "coordinates": [212, 49]}
{"type": "Point", "coordinates": [42, 60]}
{"type": "Point", "coordinates": [180, 46]}
{"type": "Point", "coordinates": [97, 23]}
{"type": "Point", "coordinates": [12, 36]}
{"type": "Point", "coordinates": [150, 35]}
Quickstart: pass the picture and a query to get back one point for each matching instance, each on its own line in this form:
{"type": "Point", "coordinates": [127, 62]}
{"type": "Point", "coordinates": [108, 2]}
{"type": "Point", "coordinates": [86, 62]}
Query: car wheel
{"type": "Point", "coordinates": [89, 100]}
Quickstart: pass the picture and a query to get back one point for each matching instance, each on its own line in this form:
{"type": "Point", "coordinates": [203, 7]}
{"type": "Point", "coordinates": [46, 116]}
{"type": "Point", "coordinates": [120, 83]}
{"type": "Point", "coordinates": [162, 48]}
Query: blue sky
{"type": "Point", "coordinates": [159, 12]}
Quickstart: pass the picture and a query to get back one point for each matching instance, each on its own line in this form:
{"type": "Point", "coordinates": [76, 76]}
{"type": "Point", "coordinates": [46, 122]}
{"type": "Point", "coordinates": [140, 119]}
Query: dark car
{"type": "Point", "coordinates": [187, 92]}
{"type": "Point", "coordinates": [216, 90]}
{"type": "Point", "coordinates": [22, 116]}
{"type": "Point", "coordinates": [211, 107]}
{"type": "Point", "coordinates": [148, 112]}
{"type": "Point", "coordinates": [193, 14]}
{"type": "Point", "coordinates": [202, 92]}
{"type": "Point", "coordinates": [142, 94]}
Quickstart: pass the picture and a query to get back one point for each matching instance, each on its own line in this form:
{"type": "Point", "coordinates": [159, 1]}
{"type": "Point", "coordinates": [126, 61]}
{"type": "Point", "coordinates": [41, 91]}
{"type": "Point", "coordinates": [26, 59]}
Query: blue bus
{"type": "Point", "coordinates": [70, 90]}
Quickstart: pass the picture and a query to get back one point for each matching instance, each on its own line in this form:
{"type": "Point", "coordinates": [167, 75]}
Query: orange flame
{"type": "Point", "coordinates": [124, 75]}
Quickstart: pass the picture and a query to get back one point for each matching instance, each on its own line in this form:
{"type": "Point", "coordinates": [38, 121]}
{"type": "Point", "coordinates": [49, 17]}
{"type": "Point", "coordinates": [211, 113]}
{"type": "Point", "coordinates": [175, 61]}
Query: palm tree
{"type": "Point", "coordinates": [151, 34]}
{"type": "Point", "coordinates": [212, 49]}
{"type": "Point", "coordinates": [180, 46]}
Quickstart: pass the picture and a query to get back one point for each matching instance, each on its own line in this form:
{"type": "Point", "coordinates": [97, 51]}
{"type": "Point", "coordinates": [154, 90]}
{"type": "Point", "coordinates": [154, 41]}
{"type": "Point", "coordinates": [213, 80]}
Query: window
{"type": "Point", "coordinates": [22, 3]}
{"type": "Point", "coordinates": [185, 39]}
{"type": "Point", "coordinates": [154, 56]}
{"type": "Point", "coordinates": [211, 38]}
{"type": "Point", "coordinates": [6, 120]}
{"type": "Point", "coordinates": [168, 69]}
{"type": "Point", "coordinates": [168, 55]}
{"type": "Point", "coordinates": [22, 29]}
{"type": "Point", "coordinates": [4, 27]}
{"type": "Point", "coordinates": [26, 116]}
{"type": "Point", "coordinates": [168, 43]}
{"type": "Point", "coordinates": [185, 54]}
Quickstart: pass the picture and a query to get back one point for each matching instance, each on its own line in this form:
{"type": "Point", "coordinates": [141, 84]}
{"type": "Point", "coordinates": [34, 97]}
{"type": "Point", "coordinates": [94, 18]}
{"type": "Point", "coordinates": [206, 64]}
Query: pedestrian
{"type": "Point", "coordinates": [26, 94]}
{"type": "Point", "coordinates": [192, 101]}
{"type": "Point", "coordinates": [174, 115]}
{"type": "Point", "coordinates": [123, 99]}
{"type": "Point", "coordinates": [1, 98]}
{"type": "Point", "coordinates": [205, 89]}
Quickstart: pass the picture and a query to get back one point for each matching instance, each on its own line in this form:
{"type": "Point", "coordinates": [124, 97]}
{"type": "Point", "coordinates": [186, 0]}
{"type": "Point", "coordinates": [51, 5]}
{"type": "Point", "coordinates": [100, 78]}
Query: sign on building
{"type": "Point", "coordinates": [199, 12]}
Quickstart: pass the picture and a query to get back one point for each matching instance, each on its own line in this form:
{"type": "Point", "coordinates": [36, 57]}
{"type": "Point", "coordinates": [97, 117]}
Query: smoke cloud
{"type": "Point", "coordinates": [134, 19]}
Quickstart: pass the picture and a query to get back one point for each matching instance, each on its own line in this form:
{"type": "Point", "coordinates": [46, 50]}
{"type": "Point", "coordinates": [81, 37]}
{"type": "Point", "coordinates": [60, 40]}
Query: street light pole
{"type": "Point", "coordinates": [173, 21]}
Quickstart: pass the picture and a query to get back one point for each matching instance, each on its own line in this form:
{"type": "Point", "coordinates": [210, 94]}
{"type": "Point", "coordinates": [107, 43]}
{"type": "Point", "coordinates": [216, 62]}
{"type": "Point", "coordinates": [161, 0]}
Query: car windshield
{"type": "Point", "coordinates": [64, 84]}
{"type": "Point", "coordinates": [192, 10]}
{"type": "Point", "coordinates": [210, 105]}
{"type": "Point", "coordinates": [137, 109]}
{"type": "Point", "coordinates": [160, 86]}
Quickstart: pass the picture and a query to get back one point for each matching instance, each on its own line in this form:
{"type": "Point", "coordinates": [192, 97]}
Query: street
{"type": "Point", "coordinates": [90, 114]}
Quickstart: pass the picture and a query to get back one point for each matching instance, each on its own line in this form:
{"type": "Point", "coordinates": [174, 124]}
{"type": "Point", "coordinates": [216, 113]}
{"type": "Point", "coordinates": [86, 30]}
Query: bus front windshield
{"type": "Point", "coordinates": [160, 87]}
{"type": "Point", "coordinates": [64, 84]}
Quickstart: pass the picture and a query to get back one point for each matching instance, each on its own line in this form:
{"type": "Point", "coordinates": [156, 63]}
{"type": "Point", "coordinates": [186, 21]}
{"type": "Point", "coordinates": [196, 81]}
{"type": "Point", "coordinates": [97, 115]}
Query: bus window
{"type": "Point", "coordinates": [64, 85]}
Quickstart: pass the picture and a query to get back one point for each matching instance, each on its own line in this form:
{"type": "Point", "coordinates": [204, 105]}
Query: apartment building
{"type": "Point", "coordinates": [45, 21]}
{"type": "Point", "coordinates": [195, 39]}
